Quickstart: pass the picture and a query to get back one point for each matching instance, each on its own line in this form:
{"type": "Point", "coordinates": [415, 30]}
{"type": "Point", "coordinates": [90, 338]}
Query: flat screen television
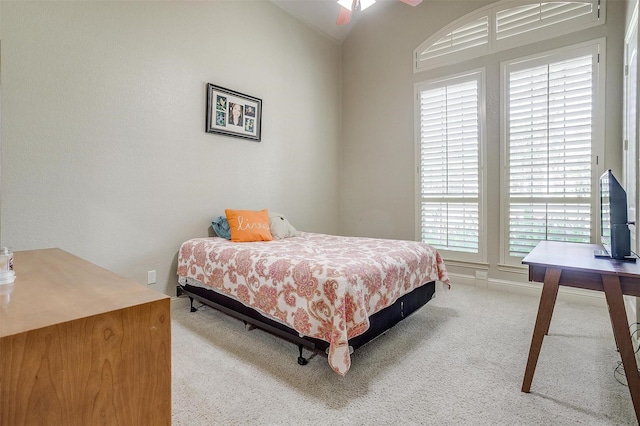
{"type": "Point", "coordinates": [615, 236]}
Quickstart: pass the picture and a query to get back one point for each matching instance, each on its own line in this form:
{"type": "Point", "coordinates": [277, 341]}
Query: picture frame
{"type": "Point", "coordinates": [232, 113]}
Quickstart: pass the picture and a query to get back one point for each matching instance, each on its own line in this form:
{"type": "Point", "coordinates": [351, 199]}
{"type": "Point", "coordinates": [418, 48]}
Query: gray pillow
{"type": "Point", "coordinates": [280, 226]}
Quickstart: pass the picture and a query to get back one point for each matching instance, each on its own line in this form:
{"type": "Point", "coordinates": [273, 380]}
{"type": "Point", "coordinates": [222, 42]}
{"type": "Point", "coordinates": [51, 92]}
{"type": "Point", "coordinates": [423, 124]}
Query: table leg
{"type": "Point", "coordinates": [545, 310]}
{"type": "Point", "coordinates": [618, 315]}
{"type": "Point", "coordinates": [553, 304]}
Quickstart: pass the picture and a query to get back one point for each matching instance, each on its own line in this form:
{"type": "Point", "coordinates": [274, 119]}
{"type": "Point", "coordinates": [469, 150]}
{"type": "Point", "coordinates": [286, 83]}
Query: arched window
{"type": "Point", "coordinates": [504, 25]}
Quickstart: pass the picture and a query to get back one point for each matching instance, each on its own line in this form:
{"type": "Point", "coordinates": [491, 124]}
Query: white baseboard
{"type": "Point", "coordinates": [179, 303]}
{"type": "Point", "coordinates": [567, 294]}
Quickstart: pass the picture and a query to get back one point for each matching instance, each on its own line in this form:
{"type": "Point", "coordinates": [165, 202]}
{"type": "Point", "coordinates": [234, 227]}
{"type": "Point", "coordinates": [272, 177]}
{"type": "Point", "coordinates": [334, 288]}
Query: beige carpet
{"type": "Point", "coordinates": [457, 361]}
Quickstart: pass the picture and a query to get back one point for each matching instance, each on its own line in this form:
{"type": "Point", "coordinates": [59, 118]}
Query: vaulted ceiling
{"type": "Point", "coordinates": [320, 14]}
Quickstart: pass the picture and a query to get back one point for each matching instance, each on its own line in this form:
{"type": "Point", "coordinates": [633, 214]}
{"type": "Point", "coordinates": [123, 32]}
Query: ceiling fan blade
{"type": "Point", "coordinates": [412, 2]}
{"type": "Point", "coordinates": [344, 16]}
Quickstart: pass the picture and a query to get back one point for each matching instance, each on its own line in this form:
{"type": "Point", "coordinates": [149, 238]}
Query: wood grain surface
{"type": "Point", "coordinates": [104, 368]}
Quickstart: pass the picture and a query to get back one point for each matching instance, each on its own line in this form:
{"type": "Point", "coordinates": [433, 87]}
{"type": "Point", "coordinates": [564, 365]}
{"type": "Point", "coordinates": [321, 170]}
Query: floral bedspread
{"type": "Point", "coordinates": [322, 286]}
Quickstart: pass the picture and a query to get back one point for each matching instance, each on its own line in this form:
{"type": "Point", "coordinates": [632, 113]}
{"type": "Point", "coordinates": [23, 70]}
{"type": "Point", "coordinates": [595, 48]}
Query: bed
{"type": "Point", "coordinates": [324, 292]}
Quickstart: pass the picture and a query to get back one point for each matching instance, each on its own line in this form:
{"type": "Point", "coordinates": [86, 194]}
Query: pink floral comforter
{"type": "Point", "coordinates": [322, 286]}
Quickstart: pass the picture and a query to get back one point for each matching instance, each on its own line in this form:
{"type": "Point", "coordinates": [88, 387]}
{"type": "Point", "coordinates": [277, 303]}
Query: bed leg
{"type": "Point", "coordinates": [301, 360]}
{"type": "Point", "coordinates": [193, 308]}
{"type": "Point", "coordinates": [248, 326]}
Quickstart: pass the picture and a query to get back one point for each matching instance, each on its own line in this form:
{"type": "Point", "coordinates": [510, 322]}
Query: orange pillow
{"type": "Point", "coordinates": [249, 225]}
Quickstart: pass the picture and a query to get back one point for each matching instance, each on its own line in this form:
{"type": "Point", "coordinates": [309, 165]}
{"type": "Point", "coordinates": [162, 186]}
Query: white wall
{"type": "Point", "coordinates": [377, 185]}
{"type": "Point", "coordinates": [104, 152]}
{"type": "Point", "coordinates": [632, 304]}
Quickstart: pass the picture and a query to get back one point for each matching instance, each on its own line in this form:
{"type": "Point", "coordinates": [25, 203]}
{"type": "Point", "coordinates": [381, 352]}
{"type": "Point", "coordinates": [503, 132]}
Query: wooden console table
{"type": "Point", "coordinates": [574, 265]}
{"type": "Point", "coordinates": [80, 345]}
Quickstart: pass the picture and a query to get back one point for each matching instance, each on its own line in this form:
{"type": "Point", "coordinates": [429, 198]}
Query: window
{"type": "Point", "coordinates": [551, 114]}
{"type": "Point", "coordinates": [471, 36]}
{"type": "Point", "coordinates": [449, 141]}
{"type": "Point", "coordinates": [504, 25]}
{"type": "Point", "coordinates": [513, 21]}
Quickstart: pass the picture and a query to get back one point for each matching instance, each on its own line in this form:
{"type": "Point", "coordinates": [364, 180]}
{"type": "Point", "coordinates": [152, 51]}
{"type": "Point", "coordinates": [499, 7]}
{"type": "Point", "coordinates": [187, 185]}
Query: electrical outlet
{"type": "Point", "coordinates": [151, 277]}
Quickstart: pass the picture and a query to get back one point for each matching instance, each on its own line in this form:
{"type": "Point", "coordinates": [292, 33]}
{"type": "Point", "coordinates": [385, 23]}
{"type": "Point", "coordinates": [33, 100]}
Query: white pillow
{"type": "Point", "coordinates": [280, 226]}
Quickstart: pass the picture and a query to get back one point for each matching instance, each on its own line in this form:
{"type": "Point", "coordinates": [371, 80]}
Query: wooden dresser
{"type": "Point", "coordinates": [80, 345]}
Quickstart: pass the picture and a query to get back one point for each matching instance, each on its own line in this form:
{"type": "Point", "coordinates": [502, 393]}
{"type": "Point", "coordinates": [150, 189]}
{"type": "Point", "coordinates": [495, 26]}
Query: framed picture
{"type": "Point", "coordinates": [233, 114]}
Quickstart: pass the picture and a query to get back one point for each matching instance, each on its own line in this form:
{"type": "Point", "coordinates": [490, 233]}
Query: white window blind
{"type": "Point", "coordinates": [449, 144]}
{"type": "Point", "coordinates": [504, 25]}
{"type": "Point", "coordinates": [467, 36]}
{"type": "Point", "coordinates": [549, 131]}
{"type": "Point", "coordinates": [535, 16]}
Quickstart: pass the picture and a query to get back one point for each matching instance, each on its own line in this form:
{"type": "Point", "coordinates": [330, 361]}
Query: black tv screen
{"type": "Point", "coordinates": [615, 234]}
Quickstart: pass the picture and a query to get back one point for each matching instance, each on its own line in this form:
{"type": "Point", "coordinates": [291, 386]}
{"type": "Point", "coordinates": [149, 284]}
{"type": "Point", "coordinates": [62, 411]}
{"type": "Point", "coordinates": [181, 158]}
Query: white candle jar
{"type": "Point", "coordinates": [6, 259]}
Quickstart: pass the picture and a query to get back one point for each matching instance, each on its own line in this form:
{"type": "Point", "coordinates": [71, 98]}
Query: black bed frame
{"type": "Point", "coordinates": [380, 322]}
